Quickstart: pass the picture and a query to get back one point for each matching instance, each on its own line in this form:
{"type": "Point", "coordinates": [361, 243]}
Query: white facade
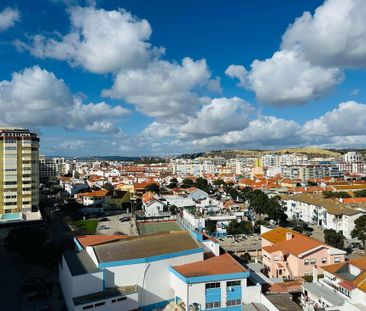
{"type": "Point", "coordinates": [318, 214]}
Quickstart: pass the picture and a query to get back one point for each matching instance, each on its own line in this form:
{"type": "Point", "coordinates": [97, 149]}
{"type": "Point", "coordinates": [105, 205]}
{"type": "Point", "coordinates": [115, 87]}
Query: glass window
{"type": "Point", "coordinates": [307, 262]}
{"type": "Point", "coordinates": [212, 285]}
{"type": "Point", "coordinates": [233, 283]}
{"type": "Point", "coordinates": [324, 260]}
{"type": "Point", "coordinates": [234, 302]}
{"type": "Point", "coordinates": [211, 305]}
{"type": "Point", "coordinates": [337, 259]}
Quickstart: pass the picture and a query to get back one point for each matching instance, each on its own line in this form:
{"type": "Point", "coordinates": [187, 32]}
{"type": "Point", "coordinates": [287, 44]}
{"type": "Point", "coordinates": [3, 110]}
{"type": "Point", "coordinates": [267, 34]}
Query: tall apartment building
{"type": "Point", "coordinates": [19, 175]}
{"type": "Point", "coordinates": [50, 168]}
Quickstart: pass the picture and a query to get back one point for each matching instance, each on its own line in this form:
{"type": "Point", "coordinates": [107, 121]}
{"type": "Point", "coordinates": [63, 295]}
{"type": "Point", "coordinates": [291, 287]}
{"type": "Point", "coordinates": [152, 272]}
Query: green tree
{"type": "Point", "coordinates": [187, 183]}
{"type": "Point", "coordinates": [108, 186]}
{"type": "Point", "coordinates": [210, 226]}
{"type": "Point", "coordinates": [173, 183]}
{"type": "Point", "coordinates": [218, 182]}
{"type": "Point", "coordinates": [153, 187]}
{"type": "Point", "coordinates": [302, 227]}
{"type": "Point", "coordinates": [202, 183]}
{"type": "Point", "coordinates": [334, 238]}
{"type": "Point", "coordinates": [258, 201]}
{"type": "Point", "coordinates": [359, 232]}
{"type": "Point", "coordinates": [275, 210]}
{"type": "Point", "coordinates": [312, 183]}
{"type": "Point", "coordinates": [360, 194]}
{"type": "Point", "coordinates": [242, 227]}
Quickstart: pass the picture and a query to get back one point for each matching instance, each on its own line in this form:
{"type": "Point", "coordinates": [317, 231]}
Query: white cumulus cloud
{"type": "Point", "coordinates": [8, 18]}
{"type": "Point", "coordinates": [315, 50]}
{"type": "Point", "coordinates": [100, 41]}
{"type": "Point", "coordinates": [220, 116]}
{"type": "Point", "coordinates": [35, 97]}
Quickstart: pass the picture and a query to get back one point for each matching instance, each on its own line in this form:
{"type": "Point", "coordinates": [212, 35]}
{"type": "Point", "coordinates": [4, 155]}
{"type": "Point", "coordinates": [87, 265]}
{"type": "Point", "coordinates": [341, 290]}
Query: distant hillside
{"type": "Point", "coordinates": [311, 151]}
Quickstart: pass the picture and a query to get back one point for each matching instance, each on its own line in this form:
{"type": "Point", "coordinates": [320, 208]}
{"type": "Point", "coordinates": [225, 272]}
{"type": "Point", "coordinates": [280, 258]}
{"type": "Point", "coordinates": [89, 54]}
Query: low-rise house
{"type": "Point", "coordinates": [290, 254]}
{"type": "Point", "coordinates": [153, 206]}
{"type": "Point", "coordinates": [343, 287]}
{"type": "Point", "coordinates": [95, 198]}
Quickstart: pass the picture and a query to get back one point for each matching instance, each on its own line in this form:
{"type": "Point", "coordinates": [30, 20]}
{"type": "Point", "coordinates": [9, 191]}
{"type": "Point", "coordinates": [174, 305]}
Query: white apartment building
{"type": "Point", "coordinates": [314, 171]}
{"type": "Point", "coordinates": [326, 213]}
{"type": "Point", "coordinates": [51, 167]}
{"type": "Point", "coordinates": [19, 175]}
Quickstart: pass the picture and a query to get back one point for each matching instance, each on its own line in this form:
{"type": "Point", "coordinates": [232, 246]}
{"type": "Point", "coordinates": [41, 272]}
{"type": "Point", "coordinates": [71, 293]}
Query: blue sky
{"type": "Point", "coordinates": [162, 77]}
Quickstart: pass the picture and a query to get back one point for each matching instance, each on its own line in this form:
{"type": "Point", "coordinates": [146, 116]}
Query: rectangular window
{"type": "Point", "coordinates": [312, 261]}
{"type": "Point", "coordinates": [234, 302]}
{"type": "Point", "coordinates": [337, 259]}
{"type": "Point", "coordinates": [99, 304]}
{"type": "Point", "coordinates": [212, 285]}
{"type": "Point", "coordinates": [88, 307]}
{"type": "Point", "coordinates": [307, 262]}
{"type": "Point", "coordinates": [233, 283]}
{"type": "Point", "coordinates": [119, 299]}
{"type": "Point", "coordinates": [212, 305]}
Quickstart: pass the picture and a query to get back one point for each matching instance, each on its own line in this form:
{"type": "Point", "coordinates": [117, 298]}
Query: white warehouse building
{"type": "Point", "coordinates": [153, 271]}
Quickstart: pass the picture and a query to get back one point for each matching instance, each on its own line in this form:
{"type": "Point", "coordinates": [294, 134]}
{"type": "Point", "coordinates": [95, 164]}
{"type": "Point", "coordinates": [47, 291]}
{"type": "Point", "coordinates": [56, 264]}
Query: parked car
{"type": "Point", "coordinates": [125, 219]}
{"type": "Point", "coordinates": [103, 227]}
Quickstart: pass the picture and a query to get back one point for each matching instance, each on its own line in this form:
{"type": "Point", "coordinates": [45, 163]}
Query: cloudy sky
{"type": "Point", "coordinates": [141, 77]}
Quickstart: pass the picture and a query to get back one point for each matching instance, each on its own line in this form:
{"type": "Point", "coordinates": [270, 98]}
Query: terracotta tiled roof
{"type": "Point", "coordinates": [98, 193]}
{"type": "Point", "coordinates": [296, 245]}
{"type": "Point", "coordinates": [277, 235]}
{"type": "Point", "coordinates": [223, 264]}
{"type": "Point", "coordinates": [91, 240]}
{"type": "Point", "coordinates": [359, 281]}
{"type": "Point", "coordinates": [354, 200]}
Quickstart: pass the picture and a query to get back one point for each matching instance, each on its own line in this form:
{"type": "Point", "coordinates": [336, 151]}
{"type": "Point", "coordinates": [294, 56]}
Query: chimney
{"type": "Point", "coordinates": [315, 274]}
{"type": "Point", "coordinates": [288, 235]}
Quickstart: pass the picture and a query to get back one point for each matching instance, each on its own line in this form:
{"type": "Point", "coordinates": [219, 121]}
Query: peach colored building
{"type": "Point", "coordinates": [289, 254]}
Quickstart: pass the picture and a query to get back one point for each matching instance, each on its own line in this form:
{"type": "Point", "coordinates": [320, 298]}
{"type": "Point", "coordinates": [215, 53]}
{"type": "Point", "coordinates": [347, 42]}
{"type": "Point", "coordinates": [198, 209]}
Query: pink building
{"type": "Point", "coordinates": [289, 254]}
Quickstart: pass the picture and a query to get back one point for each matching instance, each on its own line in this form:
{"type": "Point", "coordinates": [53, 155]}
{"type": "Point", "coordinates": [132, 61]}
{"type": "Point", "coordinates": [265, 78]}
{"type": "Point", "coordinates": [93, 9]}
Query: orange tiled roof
{"type": "Point", "coordinates": [360, 280]}
{"type": "Point", "coordinates": [223, 264]}
{"type": "Point", "coordinates": [297, 245]}
{"type": "Point", "coordinates": [277, 235]}
{"type": "Point", "coordinates": [98, 193]}
{"type": "Point", "coordinates": [91, 240]}
{"type": "Point", "coordinates": [354, 200]}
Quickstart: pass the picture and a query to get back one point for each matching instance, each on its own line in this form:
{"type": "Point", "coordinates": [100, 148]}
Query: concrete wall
{"type": "Point", "coordinates": [152, 278]}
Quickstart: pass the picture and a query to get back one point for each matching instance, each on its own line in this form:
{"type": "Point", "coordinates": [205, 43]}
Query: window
{"type": "Point", "coordinates": [212, 285]}
{"type": "Point", "coordinates": [88, 307]}
{"type": "Point", "coordinates": [233, 302]}
{"type": "Point", "coordinates": [233, 283]}
{"type": "Point", "coordinates": [211, 305]}
{"type": "Point", "coordinates": [99, 304]}
{"type": "Point", "coordinates": [337, 259]}
{"type": "Point", "coordinates": [307, 262]}
{"type": "Point", "coordinates": [118, 299]}
{"type": "Point", "coordinates": [312, 261]}
{"type": "Point", "coordinates": [324, 260]}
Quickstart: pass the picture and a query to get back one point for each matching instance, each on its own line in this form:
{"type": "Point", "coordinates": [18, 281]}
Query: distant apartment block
{"type": "Point", "coordinates": [50, 168]}
{"type": "Point", "coordinates": [19, 175]}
